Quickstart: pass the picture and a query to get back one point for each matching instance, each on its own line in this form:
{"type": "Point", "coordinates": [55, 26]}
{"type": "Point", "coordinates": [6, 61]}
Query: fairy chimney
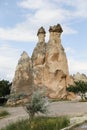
{"type": "Point", "coordinates": [47, 67]}
{"type": "Point", "coordinates": [41, 35]}
{"type": "Point", "coordinates": [55, 32]}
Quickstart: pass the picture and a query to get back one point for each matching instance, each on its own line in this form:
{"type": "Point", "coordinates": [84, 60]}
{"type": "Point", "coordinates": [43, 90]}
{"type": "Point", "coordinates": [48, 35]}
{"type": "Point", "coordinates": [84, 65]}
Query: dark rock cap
{"type": "Point", "coordinates": [56, 28]}
{"type": "Point", "coordinates": [41, 30]}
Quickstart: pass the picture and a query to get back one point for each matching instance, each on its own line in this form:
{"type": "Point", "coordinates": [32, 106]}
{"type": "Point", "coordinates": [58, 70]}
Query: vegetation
{"type": "Point", "coordinates": [79, 87]}
{"type": "Point", "coordinates": [14, 97]}
{"type": "Point", "coordinates": [3, 113]}
{"type": "Point", "coordinates": [4, 91]}
{"type": "Point", "coordinates": [37, 104]}
{"type": "Point", "coordinates": [40, 123]}
{"type": "Point", "coordinates": [5, 88]}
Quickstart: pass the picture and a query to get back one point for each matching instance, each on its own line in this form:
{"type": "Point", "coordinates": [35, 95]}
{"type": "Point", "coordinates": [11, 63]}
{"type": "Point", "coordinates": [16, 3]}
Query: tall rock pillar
{"type": "Point", "coordinates": [56, 68]}
{"type": "Point", "coordinates": [39, 51]}
{"type": "Point", "coordinates": [41, 35]}
{"type": "Point", "coordinates": [38, 58]}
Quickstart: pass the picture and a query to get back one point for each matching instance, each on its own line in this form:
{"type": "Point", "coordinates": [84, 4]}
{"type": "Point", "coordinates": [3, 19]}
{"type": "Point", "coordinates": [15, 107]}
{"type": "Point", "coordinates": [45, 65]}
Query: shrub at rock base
{"type": "Point", "coordinates": [80, 88]}
{"type": "Point", "coordinates": [37, 104]}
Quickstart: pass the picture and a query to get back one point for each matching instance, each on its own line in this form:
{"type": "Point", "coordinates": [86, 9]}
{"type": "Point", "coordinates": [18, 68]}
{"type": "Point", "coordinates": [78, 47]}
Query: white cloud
{"type": "Point", "coordinates": [68, 30]}
{"type": "Point", "coordinates": [45, 13]}
{"type": "Point", "coordinates": [16, 34]}
{"type": "Point", "coordinates": [76, 65]}
{"type": "Point", "coordinates": [80, 7]}
{"type": "Point", "coordinates": [31, 4]}
{"type": "Point", "coordinates": [69, 50]}
{"type": "Point", "coordinates": [8, 61]}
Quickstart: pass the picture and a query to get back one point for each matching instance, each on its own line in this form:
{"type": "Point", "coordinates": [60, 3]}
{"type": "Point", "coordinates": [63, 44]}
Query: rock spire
{"type": "Point", "coordinates": [46, 68]}
{"type": "Point", "coordinates": [41, 35]}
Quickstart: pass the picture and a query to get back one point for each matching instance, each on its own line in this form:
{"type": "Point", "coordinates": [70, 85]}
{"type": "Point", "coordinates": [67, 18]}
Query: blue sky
{"type": "Point", "coordinates": [21, 19]}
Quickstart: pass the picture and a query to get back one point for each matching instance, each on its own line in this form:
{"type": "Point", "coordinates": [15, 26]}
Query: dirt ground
{"type": "Point", "coordinates": [54, 109]}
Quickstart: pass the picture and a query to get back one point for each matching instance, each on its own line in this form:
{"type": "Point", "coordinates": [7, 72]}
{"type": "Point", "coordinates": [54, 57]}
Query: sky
{"type": "Point", "coordinates": [21, 19]}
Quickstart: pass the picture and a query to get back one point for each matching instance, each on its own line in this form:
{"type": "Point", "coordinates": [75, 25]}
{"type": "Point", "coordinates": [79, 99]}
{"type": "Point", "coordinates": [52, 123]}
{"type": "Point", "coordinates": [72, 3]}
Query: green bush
{"type": "Point", "coordinates": [37, 104]}
{"type": "Point", "coordinates": [49, 123]}
{"type": "Point", "coordinates": [40, 123]}
{"type": "Point", "coordinates": [3, 113]}
{"type": "Point", "coordinates": [19, 96]}
{"type": "Point", "coordinates": [5, 88]}
{"type": "Point", "coordinates": [79, 87]}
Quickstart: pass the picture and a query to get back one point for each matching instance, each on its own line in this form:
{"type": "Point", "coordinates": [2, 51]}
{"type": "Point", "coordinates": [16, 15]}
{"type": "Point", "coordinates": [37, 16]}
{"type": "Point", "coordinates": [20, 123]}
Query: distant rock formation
{"type": "Point", "coordinates": [78, 77]}
{"type": "Point", "coordinates": [46, 68]}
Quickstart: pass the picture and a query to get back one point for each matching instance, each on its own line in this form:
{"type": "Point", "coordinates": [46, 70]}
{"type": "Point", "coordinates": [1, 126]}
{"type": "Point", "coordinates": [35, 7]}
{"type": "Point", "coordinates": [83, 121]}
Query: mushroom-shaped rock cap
{"type": "Point", "coordinates": [56, 28]}
{"type": "Point", "coordinates": [41, 30]}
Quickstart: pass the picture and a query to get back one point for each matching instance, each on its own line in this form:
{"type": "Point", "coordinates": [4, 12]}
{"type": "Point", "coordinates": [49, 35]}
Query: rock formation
{"type": "Point", "coordinates": [50, 66]}
{"type": "Point", "coordinates": [72, 79]}
{"type": "Point", "coordinates": [56, 64]}
{"type": "Point", "coordinates": [23, 75]}
{"type": "Point", "coordinates": [47, 66]}
{"type": "Point", "coordinates": [79, 76]}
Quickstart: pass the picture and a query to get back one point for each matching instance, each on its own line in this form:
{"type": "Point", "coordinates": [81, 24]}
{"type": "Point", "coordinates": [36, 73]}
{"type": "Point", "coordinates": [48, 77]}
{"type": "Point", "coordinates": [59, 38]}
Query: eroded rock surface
{"type": "Point", "coordinates": [47, 66]}
{"type": "Point", "coordinates": [79, 76]}
{"type": "Point", "coordinates": [23, 75]}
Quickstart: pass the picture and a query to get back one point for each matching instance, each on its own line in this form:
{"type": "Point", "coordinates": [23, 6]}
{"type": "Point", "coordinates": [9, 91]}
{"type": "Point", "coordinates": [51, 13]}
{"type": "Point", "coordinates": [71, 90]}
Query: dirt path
{"type": "Point", "coordinates": [68, 108]}
{"type": "Point", "coordinates": [55, 109]}
{"type": "Point", "coordinates": [16, 113]}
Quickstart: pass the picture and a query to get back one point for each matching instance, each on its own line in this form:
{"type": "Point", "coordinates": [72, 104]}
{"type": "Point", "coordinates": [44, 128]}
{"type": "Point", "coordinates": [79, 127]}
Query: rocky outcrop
{"type": "Point", "coordinates": [50, 63]}
{"type": "Point", "coordinates": [22, 82]}
{"type": "Point", "coordinates": [72, 79]}
{"type": "Point", "coordinates": [79, 76]}
{"type": "Point", "coordinates": [46, 68]}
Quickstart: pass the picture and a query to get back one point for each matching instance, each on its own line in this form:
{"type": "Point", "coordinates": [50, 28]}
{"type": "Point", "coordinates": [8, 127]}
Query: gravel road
{"type": "Point", "coordinates": [68, 108]}
{"type": "Point", "coordinates": [55, 109]}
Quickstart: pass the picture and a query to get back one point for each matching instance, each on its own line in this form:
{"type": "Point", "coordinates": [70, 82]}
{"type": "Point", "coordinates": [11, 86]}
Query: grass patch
{"type": "Point", "coordinates": [3, 113]}
{"type": "Point", "coordinates": [40, 123]}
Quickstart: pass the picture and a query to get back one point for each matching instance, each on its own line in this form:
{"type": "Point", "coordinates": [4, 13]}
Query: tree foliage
{"type": "Point", "coordinates": [37, 104]}
{"type": "Point", "coordinates": [79, 87]}
{"type": "Point", "coordinates": [5, 88]}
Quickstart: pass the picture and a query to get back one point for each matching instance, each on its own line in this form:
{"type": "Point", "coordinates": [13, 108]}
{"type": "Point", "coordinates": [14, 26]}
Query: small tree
{"type": "Point", "coordinates": [5, 88]}
{"type": "Point", "coordinates": [37, 104]}
{"type": "Point", "coordinates": [79, 87]}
